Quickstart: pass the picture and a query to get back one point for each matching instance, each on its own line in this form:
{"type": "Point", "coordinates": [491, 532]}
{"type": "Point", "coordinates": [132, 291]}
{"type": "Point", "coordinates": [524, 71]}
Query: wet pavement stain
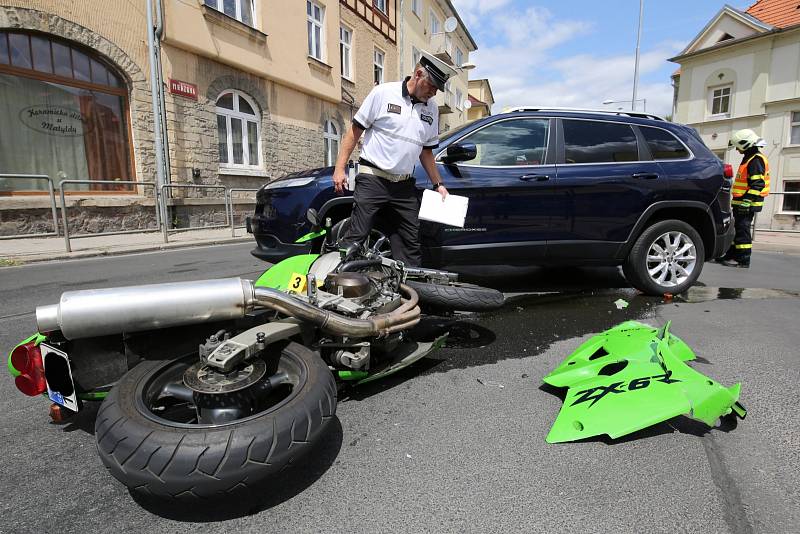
{"type": "Point", "coordinates": [528, 324]}
{"type": "Point", "coordinates": [705, 294]}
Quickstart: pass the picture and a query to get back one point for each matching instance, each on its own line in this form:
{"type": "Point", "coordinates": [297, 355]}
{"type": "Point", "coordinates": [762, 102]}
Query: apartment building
{"type": "Point", "coordinates": [743, 71]}
{"type": "Point", "coordinates": [422, 27]}
{"type": "Point", "coordinates": [481, 99]}
{"type": "Point", "coordinates": [253, 89]}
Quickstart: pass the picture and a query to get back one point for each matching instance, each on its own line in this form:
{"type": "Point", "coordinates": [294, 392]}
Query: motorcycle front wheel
{"type": "Point", "coordinates": [150, 437]}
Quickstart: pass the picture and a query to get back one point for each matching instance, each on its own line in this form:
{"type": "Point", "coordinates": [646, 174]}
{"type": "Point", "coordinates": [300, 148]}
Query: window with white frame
{"type": "Point", "coordinates": [381, 5]}
{"type": "Point", "coordinates": [345, 51]}
{"type": "Point", "coordinates": [238, 130]}
{"type": "Point", "coordinates": [448, 95]}
{"type": "Point", "coordinates": [331, 140]}
{"type": "Point", "coordinates": [316, 16]}
{"type": "Point", "coordinates": [415, 7]}
{"type": "Point", "coordinates": [791, 202]}
{"type": "Point", "coordinates": [241, 10]}
{"type": "Point", "coordinates": [378, 65]}
{"type": "Point", "coordinates": [415, 55]}
{"type": "Point", "coordinates": [459, 96]}
{"type": "Point", "coordinates": [720, 100]}
{"type": "Point", "coordinates": [459, 57]}
{"type": "Point", "coordinates": [794, 129]}
{"type": "Point", "coordinates": [435, 23]}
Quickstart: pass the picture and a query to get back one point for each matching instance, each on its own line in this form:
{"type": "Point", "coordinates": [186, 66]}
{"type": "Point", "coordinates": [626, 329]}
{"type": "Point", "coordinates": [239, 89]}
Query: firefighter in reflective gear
{"type": "Point", "coordinates": [749, 189]}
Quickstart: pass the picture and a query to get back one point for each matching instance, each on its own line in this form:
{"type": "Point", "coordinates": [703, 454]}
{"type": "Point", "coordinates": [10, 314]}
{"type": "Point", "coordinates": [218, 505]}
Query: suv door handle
{"type": "Point", "coordinates": [536, 177]}
{"type": "Point", "coordinates": [644, 175]}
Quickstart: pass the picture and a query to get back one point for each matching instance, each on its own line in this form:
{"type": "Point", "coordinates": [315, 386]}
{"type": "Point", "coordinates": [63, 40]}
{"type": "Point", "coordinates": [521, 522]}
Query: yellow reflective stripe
{"type": "Point", "coordinates": [755, 192]}
{"type": "Point", "coordinates": [743, 246]}
{"type": "Point", "coordinates": [737, 202]}
{"type": "Point", "coordinates": [757, 177]}
{"type": "Point", "coordinates": [757, 204]}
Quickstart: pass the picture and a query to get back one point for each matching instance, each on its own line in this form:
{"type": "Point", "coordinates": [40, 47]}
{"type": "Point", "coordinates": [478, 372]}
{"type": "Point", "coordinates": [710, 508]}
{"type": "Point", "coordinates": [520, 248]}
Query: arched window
{"type": "Point", "coordinates": [238, 130]}
{"type": "Point", "coordinates": [331, 139]}
{"type": "Point", "coordinates": [65, 114]}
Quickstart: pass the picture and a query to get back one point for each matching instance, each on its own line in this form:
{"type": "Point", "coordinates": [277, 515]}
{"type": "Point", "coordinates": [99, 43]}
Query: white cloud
{"type": "Point", "coordinates": [520, 61]}
{"type": "Point", "coordinates": [471, 11]}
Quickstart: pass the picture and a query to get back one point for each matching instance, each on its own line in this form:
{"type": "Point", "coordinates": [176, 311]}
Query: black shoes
{"type": "Point", "coordinates": [730, 262]}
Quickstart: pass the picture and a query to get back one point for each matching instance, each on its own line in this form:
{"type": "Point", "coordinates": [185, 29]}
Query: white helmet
{"type": "Point", "coordinates": [745, 139]}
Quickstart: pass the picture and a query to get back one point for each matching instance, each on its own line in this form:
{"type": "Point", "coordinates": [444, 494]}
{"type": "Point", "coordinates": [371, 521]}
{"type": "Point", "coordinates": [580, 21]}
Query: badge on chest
{"type": "Point", "coordinates": [394, 108]}
{"type": "Point", "coordinates": [426, 118]}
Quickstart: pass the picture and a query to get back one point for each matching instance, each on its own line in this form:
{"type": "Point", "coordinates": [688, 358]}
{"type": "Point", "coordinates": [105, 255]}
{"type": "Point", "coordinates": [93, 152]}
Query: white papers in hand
{"type": "Point", "coordinates": [451, 212]}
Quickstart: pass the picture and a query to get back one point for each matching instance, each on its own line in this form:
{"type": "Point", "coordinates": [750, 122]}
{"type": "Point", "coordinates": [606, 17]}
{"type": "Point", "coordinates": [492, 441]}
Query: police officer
{"type": "Point", "coordinates": [749, 189]}
{"type": "Point", "coordinates": [401, 121]}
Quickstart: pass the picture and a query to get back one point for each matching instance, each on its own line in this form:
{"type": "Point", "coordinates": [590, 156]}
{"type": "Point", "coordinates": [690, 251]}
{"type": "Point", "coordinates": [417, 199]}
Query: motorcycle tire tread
{"type": "Point", "coordinates": [185, 465]}
{"type": "Point", "coordinates": [458, 296]}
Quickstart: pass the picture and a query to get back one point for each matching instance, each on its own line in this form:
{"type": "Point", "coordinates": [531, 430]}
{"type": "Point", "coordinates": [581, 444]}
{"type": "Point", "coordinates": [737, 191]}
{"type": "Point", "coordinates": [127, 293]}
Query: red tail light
{"type": "Point", "coordinates": [728, 170]}
{"type": "Point", "coordinates": [27, 359]}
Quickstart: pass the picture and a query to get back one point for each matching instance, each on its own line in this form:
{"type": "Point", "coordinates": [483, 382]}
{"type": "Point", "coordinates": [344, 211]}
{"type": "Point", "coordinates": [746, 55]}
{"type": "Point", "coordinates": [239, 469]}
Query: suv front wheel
{"type": "Point", "coordinates": [666, 258]}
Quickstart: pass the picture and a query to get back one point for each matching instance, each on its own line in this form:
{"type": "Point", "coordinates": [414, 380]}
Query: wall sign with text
{"type": "Point", "coordinates": [184, 89]}
{"type": "Point", "coordinates": [55, 120]}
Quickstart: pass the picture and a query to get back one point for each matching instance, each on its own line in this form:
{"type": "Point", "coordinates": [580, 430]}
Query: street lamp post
{"type": "Point", "coordinates": [636, 65]}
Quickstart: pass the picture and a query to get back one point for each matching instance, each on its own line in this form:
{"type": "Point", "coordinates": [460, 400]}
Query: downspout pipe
{"type": "Point", "coordinates": [158, 132]}
{"type": "Point", "coordinates": [161, 85]}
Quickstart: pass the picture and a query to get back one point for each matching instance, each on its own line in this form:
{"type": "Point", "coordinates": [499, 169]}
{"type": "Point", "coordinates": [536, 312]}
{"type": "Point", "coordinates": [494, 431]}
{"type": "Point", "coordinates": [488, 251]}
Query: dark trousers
{"type": "Point", "coordinates": [401, 215]}
{"type": "Point", "coordinates": [742, 241]}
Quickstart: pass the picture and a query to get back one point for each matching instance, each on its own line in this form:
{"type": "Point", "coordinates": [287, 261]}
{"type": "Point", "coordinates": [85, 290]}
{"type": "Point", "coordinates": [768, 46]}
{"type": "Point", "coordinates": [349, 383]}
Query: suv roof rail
{"type": "Point", "coordinates": [638, 114]}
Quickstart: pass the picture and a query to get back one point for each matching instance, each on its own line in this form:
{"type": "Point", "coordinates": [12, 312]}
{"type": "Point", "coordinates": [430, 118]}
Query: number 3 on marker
{"type": "Point", "coordinates": [297, 283]}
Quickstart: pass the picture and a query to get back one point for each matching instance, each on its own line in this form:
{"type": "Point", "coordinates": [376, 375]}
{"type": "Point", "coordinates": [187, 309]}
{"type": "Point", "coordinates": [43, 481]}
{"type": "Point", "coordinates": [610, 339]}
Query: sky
{"type": "Point", "coordinates": [580, 53]}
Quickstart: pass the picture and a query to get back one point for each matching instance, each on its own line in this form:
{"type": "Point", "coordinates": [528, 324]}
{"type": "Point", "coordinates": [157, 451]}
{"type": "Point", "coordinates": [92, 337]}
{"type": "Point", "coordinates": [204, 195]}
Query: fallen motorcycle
{"type": "Point", "coordinates": [208, 388]}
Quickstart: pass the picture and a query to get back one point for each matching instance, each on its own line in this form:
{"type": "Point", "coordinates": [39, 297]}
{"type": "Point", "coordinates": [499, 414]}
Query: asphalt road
{"type": "Point", "coordinates": [434, 449]}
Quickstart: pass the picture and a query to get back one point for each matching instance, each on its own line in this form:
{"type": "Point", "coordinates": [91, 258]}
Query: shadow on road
{"type": "Point", "coordinates": [290, 483]}
{"type": "Point", "coordinates": [560, 278]}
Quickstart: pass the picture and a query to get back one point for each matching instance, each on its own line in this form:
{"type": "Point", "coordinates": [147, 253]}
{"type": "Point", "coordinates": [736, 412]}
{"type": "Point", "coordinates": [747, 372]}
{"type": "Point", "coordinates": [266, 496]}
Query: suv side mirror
{"type": "Point", "coordinates": [460, 152]}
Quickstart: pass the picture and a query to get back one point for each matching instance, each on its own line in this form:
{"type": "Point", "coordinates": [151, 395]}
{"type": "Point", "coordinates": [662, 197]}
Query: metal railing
{"type": "Point", "coordinates": [775, 212]}
{"type": "Point", "coordinates": [229, 197]}
{"type": "Point", "coordinates": [224, 189]}
{"type": "Point", "coordinates": [53, 207]}
{"type": "Point", "coordinates": [119, 232]}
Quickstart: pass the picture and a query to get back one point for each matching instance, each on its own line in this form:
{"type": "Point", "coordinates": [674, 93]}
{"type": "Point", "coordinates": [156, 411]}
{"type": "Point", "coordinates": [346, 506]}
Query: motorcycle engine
{"type": "Point", "coordinates": [348, 285]}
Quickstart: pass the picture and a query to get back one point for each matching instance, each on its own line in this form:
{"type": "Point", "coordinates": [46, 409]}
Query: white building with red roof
{"type": "Point", "coordinates": [743, 71]}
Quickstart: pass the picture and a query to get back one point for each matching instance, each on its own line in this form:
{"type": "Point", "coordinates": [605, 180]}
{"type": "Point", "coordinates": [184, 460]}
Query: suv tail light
{"type": "Point", "coordinates": [27, 359]}
{"type": "Point", "coordinates": [728, 170]}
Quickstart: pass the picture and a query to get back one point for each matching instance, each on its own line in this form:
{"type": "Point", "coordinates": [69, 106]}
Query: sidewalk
{"type": "Point", "coordinates": [33, 249]}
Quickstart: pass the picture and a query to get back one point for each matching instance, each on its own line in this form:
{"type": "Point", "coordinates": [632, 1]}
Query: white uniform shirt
{"type": "Point", "coordinates": [396, 130]}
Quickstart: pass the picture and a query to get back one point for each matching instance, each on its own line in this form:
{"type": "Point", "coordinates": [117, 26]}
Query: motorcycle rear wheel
{"type": "Point", "coordinates": [159, 455]}
{"type": "Point", "coordinates": [457, 296]}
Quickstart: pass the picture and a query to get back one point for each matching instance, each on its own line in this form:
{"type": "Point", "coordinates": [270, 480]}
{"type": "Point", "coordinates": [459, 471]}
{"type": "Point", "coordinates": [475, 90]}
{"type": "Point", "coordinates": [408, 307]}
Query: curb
{"type": "Point", "coordinates": [91, 253]}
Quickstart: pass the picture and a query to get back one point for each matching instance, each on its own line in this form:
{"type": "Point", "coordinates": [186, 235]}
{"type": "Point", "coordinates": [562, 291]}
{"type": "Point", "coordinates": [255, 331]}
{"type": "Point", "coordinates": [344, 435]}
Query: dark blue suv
{"type": "Point", "coordinates": [548, 187]}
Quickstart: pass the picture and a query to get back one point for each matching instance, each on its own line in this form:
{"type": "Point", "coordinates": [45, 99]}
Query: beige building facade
{"type": "Point", "coordinates": [481, 99]}
{"type": "Point", "coordinates": [422, 27]}
{"type": "Point", "coordinates": [253, 89]}
{"type": "Point", "coordinates": [743, 71]}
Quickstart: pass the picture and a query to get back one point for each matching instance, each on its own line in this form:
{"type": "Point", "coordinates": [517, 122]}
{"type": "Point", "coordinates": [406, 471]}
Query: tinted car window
{"type": "Point", "coordinates": [598, 142]}
{"type": "Point", "coordinates": [663, 145]}
{"type": "Point", "coordinates": [511, 142]}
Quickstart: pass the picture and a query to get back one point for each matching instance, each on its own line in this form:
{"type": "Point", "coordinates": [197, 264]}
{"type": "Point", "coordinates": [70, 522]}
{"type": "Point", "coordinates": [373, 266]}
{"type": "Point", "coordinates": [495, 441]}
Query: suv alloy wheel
{"type": "Point", "coordinates": [666, 258]}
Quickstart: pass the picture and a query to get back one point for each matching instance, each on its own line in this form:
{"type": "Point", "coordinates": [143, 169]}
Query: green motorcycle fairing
{"type": "Point", "coordinates": [311, 235]}
{"type": "Point", "coordinates": [630, 377]}
{"type": "Point", "coordinates": [279, 275]}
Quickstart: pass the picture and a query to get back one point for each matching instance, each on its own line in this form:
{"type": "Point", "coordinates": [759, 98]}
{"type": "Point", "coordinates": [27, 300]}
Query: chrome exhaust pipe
{"type": "Point", "coordinates": [101, 312]}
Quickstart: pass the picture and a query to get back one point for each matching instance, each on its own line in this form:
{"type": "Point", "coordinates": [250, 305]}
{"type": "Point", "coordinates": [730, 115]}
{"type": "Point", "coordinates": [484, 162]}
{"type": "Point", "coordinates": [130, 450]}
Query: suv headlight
{"type": "Point", "coordinates": [293, 182]}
